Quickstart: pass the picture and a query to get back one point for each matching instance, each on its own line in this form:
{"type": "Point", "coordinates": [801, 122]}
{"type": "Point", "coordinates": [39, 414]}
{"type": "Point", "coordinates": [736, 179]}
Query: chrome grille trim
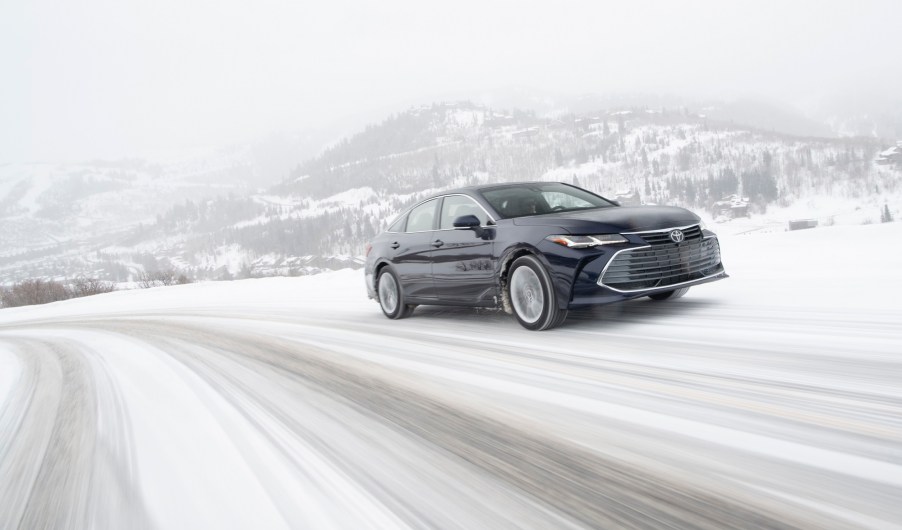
{"type": "Point", "coordinates": [661, 237]}
{"type": "Point", "coordinates": [663, 229]}
{"type": "Point", "coordinates": [652, 267]}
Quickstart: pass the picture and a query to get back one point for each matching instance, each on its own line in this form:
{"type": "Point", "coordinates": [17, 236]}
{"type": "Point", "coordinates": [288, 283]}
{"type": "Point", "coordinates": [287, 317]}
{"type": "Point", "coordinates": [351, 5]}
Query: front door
{"type": "Point", "coordinates": [462, 263]}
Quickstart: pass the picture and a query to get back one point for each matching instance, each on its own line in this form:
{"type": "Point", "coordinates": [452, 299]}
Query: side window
{"type": "Point", "coordinates": [420, 219]}
{"type": "Point", "coordinates": [398, 225]}
{"type": "Point", "coordinates": [458, 205]}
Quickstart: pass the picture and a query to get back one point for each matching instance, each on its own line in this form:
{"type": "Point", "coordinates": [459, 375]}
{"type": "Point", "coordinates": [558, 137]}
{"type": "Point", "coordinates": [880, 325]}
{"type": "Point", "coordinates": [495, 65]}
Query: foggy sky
{"type": "Point", "coordinates": [106, 78]}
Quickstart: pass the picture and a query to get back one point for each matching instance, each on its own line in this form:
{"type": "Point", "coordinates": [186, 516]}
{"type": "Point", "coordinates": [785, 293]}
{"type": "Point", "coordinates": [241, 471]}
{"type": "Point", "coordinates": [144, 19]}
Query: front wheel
{"type": "Point", "coordinates": [532, 295]}
{"type": "Point", "coordinates": [391, 296]}
{"type": "Point", "coordinates": [669, 295]}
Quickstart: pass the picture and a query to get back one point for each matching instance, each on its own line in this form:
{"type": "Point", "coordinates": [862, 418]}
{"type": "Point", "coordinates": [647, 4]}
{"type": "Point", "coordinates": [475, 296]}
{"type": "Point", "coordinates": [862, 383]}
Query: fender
{"type": "Point", "coordinates": [563, 279]}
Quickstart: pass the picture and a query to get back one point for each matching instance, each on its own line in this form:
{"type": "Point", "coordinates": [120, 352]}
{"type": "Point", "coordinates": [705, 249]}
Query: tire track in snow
{"type": "Point", "coordinates": [60, 467]}
{"type": "Point", "coordinates": [586, 489]}
{"type": "Point", "coordinates": [400, 429]}
{"type": "Point", "coordinates": [387, 472]}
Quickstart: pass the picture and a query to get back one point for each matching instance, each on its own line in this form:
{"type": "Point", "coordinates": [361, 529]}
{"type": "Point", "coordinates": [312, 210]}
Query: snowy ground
{"type": "Point", "coordinates": [770, 399]}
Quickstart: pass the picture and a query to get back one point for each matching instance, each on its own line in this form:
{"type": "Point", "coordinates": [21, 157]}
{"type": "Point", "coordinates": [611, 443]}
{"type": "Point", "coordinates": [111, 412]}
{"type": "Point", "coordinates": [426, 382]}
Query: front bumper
{"type": "Point", "coordinates": [643, 269]}
{"type": "Point", "coordinates": [639, 269]}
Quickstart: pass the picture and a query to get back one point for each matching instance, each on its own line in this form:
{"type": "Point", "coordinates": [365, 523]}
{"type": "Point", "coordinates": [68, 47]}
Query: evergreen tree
{"type": "Point", "coordinates": [760, 186]}
{"type": "Point", "coordinates": [436, 176]}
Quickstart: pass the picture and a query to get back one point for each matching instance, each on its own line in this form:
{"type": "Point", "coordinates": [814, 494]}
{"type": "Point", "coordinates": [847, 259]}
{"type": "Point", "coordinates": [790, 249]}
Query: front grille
{"type": "Point", "coordinates": [663, 264]}
{"type": "Point", "coordinates": [662, 237]}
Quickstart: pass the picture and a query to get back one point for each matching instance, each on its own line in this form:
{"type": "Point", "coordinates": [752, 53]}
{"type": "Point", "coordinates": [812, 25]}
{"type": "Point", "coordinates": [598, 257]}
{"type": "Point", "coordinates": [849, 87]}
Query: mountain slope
{"type": "Point", "coordinates": [322, 215]}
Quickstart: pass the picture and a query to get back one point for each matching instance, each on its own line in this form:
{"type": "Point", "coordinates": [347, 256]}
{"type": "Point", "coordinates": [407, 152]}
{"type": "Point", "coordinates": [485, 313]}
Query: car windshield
{"type": "Point", "coordinates": [538, 199]}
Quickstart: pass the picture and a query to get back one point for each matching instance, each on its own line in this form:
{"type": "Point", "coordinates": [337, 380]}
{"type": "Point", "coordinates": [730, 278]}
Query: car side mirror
{"type": "Point", "coordinates": [616, 203]}
{"type": "Point", "coordinates": [469, 222]}
{"type": "Point", "coordinates": [466, 222]}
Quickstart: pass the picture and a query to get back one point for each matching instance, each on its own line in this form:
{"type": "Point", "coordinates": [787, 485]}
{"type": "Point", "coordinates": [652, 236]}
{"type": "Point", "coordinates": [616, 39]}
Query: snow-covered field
{"type": "Point", "coordinates": [770, 399]}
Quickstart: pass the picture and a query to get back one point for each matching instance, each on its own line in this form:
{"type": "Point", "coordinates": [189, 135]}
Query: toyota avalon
{"type": "Point", "coordinates": [536, 250]}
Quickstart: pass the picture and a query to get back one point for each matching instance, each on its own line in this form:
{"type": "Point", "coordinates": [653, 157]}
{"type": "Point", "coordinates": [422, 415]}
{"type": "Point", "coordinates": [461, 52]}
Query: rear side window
{"type": "Point", "coordinates": [457, 206]}
{"type": "Point", "coordinates": [421, 218]}
{"type": "Point", "coordinates": [398, 225]}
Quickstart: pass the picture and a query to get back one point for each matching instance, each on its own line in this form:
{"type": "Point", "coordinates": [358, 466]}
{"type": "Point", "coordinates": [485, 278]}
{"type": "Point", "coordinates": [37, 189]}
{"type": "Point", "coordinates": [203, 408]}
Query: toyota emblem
{"type": "Point", "coordinates": [677, 236]}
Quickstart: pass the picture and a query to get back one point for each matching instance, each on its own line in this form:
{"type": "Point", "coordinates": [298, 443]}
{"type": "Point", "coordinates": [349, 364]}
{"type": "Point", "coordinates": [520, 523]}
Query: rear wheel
{"type": "Point", "coordinates": [532, 295]}
{"type": "Point", "coordinates": [391, 296]}
{"type": "Point", "coordinates": [669, 295]}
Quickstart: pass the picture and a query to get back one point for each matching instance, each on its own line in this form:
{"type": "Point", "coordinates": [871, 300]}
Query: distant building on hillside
{"type": "Point", "coordinates": [525, 133]}
{"type": "Point", "coordinates": [891, 157]}
{"type": "Point", "coordinates": [731, 207]}
{"type": "Point", "coordinates": [801, 224]}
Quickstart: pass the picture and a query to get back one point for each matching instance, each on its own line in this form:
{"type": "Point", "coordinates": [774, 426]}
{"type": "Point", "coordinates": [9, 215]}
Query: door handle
{"type": "Point", "coordinates": [437, 243]}
{"type": "Point", "coordinates": [395, 245]}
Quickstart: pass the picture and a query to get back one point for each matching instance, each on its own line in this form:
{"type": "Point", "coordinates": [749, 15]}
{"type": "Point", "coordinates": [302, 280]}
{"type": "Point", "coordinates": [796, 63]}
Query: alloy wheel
{"type": "Point", "coordinates": [388, 293]}
{"type": "Point", "coordinates": [526, 294]}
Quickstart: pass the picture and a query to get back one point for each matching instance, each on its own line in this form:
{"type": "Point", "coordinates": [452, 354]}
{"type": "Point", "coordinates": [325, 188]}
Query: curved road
{"type": "Point", "coordinates": [294, 403]}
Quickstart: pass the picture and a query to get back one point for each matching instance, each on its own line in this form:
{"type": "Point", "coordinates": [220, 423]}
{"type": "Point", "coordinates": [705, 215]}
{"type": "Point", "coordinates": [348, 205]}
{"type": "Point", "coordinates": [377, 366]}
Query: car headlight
{"type": "Point", "coordinates": [587, 241]}
{"type": "Point", "coordinates": [702, 225]}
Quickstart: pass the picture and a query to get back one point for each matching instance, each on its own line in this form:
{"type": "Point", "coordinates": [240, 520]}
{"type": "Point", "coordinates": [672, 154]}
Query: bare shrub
{"type": "Point", "coordinates": [161, 278]}
{"type": "Point", "coordinates": [83, 286]}
{"type": "Point", "coordinates": [31, 292]}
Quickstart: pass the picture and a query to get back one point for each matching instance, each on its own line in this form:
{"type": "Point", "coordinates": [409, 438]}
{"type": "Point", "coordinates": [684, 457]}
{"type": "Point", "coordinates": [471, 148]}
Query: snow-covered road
{"type": "Point", "coordinates": [772, 399]}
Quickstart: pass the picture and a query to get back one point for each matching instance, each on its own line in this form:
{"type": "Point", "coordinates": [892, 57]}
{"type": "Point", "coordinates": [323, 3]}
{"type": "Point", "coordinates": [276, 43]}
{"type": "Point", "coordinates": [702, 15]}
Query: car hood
{"type": "Point", "coordinates": [614, 219]}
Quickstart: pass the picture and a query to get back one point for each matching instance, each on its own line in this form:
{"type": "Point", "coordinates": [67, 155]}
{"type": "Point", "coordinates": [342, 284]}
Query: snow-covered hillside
{"type": "Point", "coordinates": [54, 214]}
{"type": "Point", "coordinates": [322, 216]}
{"type": "Point", "coordinates": [770, 399]}
{"type": "Point", "coordinates": [56, 203]}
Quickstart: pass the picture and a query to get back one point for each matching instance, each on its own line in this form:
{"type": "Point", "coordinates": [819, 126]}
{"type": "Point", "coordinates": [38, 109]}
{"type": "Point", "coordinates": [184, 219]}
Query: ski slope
{"type": "Point", "coordinates": [771, 399]}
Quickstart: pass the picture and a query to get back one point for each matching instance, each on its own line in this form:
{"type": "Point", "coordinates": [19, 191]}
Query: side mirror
{"type": "Point", "coordinates": [469, 222]}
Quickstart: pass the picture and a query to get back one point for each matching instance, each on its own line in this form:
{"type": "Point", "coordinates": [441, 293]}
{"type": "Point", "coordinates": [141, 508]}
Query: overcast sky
{"type": "Point", "coordinates": [113, 78]}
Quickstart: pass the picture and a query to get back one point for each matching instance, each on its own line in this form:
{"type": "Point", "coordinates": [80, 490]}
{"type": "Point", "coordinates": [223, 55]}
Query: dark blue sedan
{"type": "Point", "coordinates": [536, 250]}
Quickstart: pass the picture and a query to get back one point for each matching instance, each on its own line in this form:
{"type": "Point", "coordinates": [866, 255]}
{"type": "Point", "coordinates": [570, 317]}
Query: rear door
{"type": "Point", "coordinates": [462, 262]}
{"type": "Point", "coordinates": [412, 251]}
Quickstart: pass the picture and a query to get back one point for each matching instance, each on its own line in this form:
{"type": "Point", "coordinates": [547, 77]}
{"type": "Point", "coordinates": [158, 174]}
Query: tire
{"type": "Point", "coordinates": [669, 295]}
{"type": "Point", "coordinates": [531, 294]}
{"type": "Point", "coordinates": [391, 296]}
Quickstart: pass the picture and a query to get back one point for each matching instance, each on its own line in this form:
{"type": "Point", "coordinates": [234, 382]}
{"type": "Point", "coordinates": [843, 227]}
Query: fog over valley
{"type": "Point", "coordinates": [110, 80]}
